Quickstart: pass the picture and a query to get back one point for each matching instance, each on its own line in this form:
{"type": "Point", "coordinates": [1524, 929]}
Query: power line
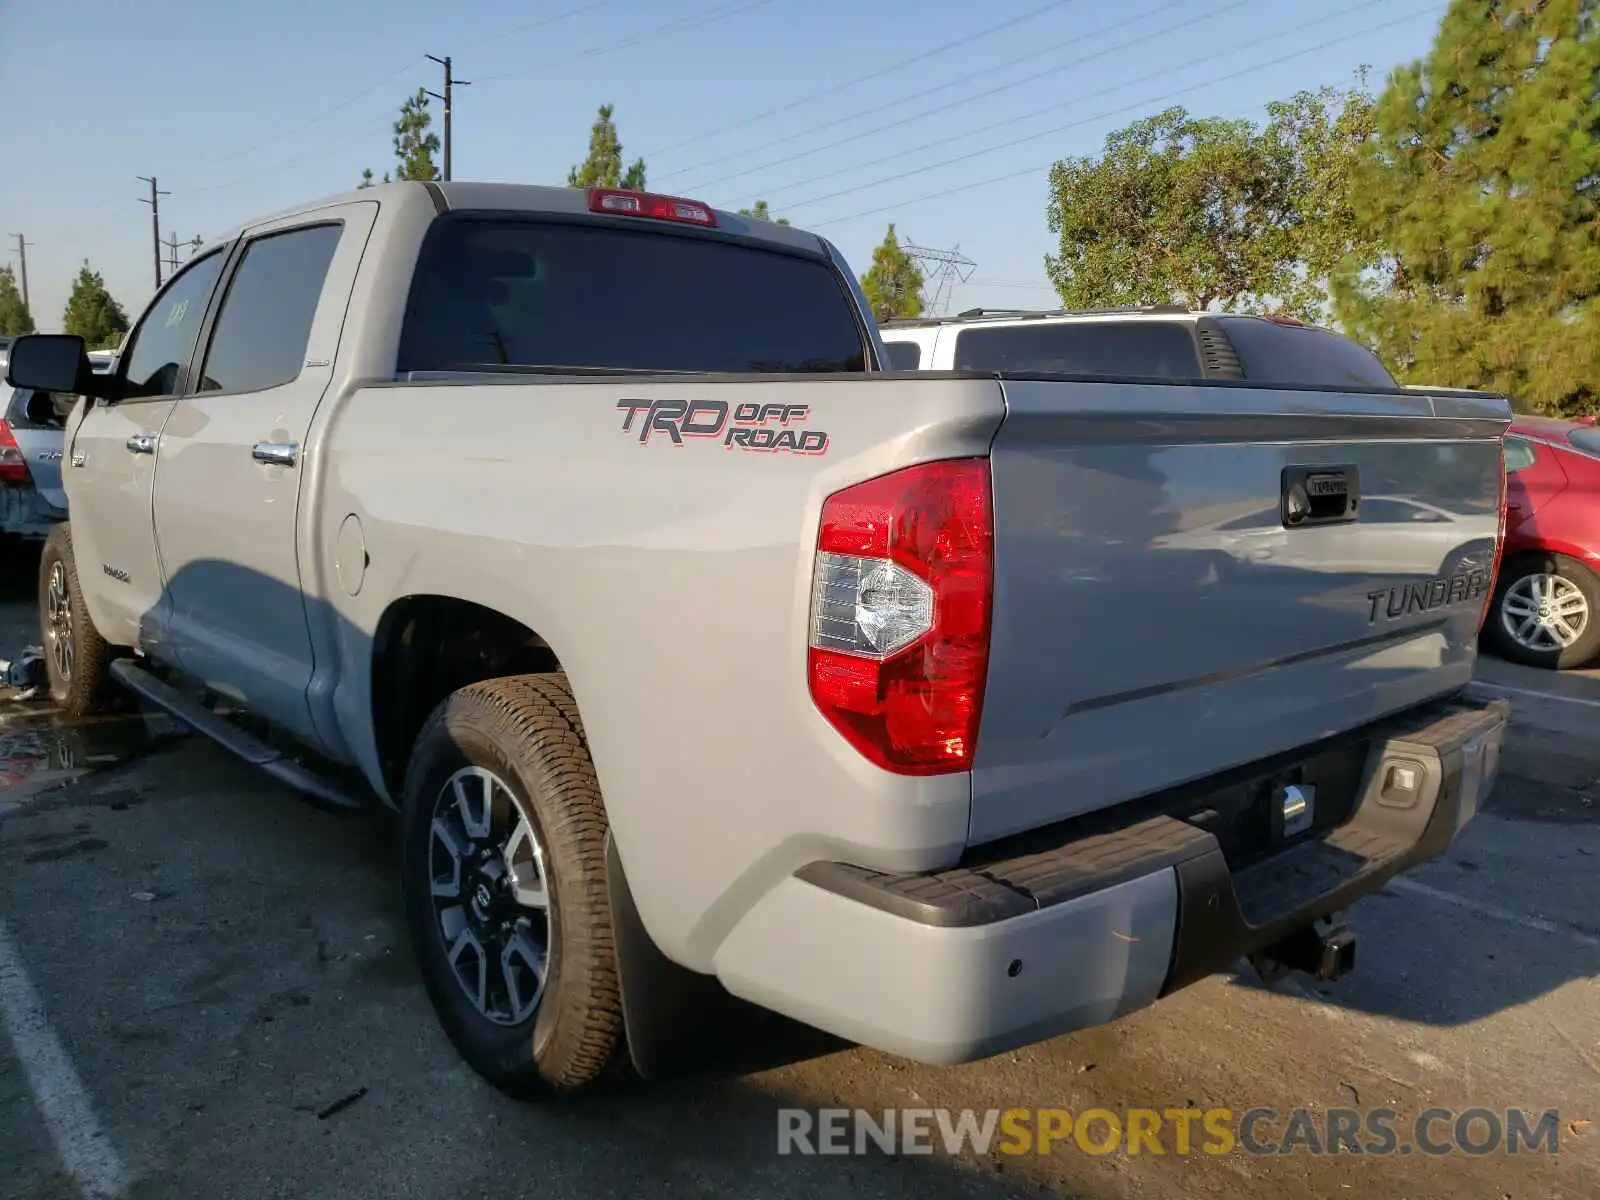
{"type": "Point", "coordinates": [1144, 104]}
{"type": "Point", "coordinates": [352, 136]}
{"type": "Point", "coordinates": [862, 134]}
{"type": "Point", "coordinates": [960, 43]}
{"type": "Point", "coordinates": [692, 21]}
{"type": "Point", "coordinates": [1032, 137]}
{"type": "Point", "coordinates": [409, 65]}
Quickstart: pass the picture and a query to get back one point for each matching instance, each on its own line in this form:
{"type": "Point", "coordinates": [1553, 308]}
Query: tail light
{"type": "Point", "coordinates": [13, 466]}
{"type": "Point", "coordinates": [901, 596]}
{"type": "Point", "coordinates": [626, 203]}
{"type": "Point", "coordinates": [1499, 545]}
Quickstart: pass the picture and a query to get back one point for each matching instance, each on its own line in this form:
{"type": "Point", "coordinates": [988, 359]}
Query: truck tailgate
{"type": "Point", "coordinates": [1157, 618]}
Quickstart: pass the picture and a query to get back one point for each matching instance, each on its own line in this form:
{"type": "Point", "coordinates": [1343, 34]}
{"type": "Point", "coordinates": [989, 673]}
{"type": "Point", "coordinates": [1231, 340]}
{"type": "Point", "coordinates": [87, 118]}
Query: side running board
{"type": "Point", "coordinates": [230, 737]}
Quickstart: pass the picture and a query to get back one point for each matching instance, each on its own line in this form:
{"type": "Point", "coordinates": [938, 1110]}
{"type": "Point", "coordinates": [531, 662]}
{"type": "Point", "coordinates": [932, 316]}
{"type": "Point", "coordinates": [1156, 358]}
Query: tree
{"type": "Point", "coordinates": [414, 144]}
{"type": "Point", "coordinates": [1177, 208]}
{"type": "Point", "coordinates": [1320, 137]}
{"type": "Point", "coordinates": [762, 213]}
{"type": "Point", "coordinates": [603, 167]}
{"type": "Point", "coordinates": [1212, 212]}
{"type": "Point", "coordinates": [93, 314]}
{"type": "Point", "coordinates": [893, 283]}
{"type": "Point", "coordinates": [14, 315]}
{"type": "Point", "coordinates": [1482, 185]}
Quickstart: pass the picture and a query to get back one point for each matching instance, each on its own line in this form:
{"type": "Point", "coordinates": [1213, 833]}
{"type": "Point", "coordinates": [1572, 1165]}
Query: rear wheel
{"type": "Point", "coordinates": [505, 886]}
{"type": "Point", "coordinates": [1546, 612]}
{"type": "Point", "coordinates": [76, 656]}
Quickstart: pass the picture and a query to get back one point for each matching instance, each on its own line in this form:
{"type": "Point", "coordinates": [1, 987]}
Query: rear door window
{"type": "Point", "coordinates": [903, 356]}
{"type": "Point", "coordinates": [492, 293]}
{"type": "Point", "coordinates": [1303, 356]}
{"type": "Point", "coordinates": [1145, 349]}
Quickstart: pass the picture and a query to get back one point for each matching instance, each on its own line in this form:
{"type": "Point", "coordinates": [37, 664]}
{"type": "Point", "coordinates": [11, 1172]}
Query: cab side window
{"type": "Point", "coordinates": [1520, 455]}
{"type": "Point", "coordinates": [159, 348]}
{"type": "Point", "coordinates": [265, 322]}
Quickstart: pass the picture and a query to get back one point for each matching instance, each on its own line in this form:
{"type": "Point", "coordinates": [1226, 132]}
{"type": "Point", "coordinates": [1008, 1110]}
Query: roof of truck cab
{"type": "Point", "coordinates": [520, 198]}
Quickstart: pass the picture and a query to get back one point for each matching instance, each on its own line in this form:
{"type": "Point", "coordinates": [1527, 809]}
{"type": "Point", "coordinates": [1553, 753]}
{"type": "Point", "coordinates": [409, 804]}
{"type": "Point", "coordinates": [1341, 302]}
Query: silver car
{"type": "Point", "coordinates": [31, 496]}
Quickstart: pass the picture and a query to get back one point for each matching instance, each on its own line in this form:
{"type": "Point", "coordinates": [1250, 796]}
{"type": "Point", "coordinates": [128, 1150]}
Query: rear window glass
{"type": "Point", "coordinates": [494, 293]}
{"type": "Point", "coordinates": [1587, 440]}
{"type": "Point", "coordinates": [1303, 356]}
{"type": "Point", "coordinates": [1149, 349]}
{"type": "Point", "coordinates": [903, 356]}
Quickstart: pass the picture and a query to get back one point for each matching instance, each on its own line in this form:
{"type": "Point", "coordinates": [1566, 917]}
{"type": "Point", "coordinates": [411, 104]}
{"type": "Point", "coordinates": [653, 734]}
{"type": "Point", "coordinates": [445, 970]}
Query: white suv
{"type": "Point", "coordinates": [1157, 342]}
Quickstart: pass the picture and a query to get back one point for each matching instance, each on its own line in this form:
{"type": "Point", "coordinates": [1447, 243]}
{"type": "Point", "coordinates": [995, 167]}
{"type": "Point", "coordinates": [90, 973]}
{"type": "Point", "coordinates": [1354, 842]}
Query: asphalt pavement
{"type": "Point", "coordinates": [208, 993]}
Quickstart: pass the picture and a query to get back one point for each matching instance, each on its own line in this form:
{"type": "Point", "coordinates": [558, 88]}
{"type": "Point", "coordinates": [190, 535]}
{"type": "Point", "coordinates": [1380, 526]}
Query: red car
{"type": "Point", "coordinates": [1546, 610]}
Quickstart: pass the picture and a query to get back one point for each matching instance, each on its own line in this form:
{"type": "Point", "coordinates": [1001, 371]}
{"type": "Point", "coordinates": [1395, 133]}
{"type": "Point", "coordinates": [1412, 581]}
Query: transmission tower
{"type": "Point", "coordinates": [941, 271]}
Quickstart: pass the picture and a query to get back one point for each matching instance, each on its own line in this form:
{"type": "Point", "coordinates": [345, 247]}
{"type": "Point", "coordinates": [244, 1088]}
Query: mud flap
{"type": "Point", "coordinates": [675, 1019]}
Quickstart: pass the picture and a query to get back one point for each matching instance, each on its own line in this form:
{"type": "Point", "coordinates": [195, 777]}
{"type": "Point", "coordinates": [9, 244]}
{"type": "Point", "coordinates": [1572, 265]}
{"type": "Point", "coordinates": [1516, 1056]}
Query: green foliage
{"type": "Point", "coordinates": [762, 213]}
{"type": "Point", "coordinates": [14, 315]}
{"type": "Point", "coordinates": [893, 283]}
{"type": "Point", "coordinates": [1211, 212]}
{"type": "Point", "coordinates": [1482, 186]}
{"type": "Point", "coordinates": [366, 178]}
{"type": "Point", "coordinates": [93, 314]}
{"type": "Point", "coordinates": [414, 144]}
{"type": "Point", "coordinates": [603, 167]}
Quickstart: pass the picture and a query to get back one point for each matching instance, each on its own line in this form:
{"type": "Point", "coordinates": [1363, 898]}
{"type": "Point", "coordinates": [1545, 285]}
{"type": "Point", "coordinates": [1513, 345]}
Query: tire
{"type": "Point", "coordinates": [1522, 583]}
{"type": "Point", "coordinates": [76, 656]}
{"type": "Point", "coordinates": [525, 732]}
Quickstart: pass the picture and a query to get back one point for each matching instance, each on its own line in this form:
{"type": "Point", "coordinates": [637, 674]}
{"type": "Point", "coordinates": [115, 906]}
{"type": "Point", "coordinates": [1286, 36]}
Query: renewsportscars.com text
{"type": "Point", "coordinates": [1376, 1132]}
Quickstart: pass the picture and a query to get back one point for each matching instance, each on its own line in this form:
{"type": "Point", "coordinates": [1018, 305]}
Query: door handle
{"type": "Point", "coordinates": [276, 454]}
{"type": "Point", "coordinates": [142, 443]}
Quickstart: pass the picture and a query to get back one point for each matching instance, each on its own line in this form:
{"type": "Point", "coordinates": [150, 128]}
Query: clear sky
{"type": "Point", "coordinates": [941, 116]}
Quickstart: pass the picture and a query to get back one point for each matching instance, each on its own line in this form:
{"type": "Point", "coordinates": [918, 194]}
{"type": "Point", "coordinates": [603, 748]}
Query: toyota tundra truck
{"type": "Point", "coordinates": [701, 655]}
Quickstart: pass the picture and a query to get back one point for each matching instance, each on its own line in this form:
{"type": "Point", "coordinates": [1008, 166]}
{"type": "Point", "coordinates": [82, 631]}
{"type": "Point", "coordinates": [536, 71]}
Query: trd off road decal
{"type": "Point", "coordinates": [762, 428]}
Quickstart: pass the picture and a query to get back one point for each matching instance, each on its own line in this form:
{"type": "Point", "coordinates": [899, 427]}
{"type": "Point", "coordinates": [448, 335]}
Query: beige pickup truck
{"type": "Point", "coordinates": [704, 658]}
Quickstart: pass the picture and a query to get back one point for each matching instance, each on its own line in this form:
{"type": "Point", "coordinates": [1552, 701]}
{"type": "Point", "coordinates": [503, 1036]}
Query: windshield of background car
{"type": "Point", "coordinates": [491, 293]}
{"type": "Point", "coordinates": [1587, 439]}
{"type": "Point", "coordinates": [1146, 349]}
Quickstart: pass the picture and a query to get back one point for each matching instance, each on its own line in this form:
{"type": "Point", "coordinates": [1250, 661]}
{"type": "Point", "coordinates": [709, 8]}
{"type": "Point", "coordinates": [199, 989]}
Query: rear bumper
{"type": "Point", "coordinates": [1091, 923]}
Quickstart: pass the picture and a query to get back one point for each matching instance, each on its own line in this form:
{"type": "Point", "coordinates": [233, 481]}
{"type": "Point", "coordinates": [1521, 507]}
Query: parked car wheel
{"type": "Point", "coordinates": [1546, 612]}
{"type": "Point", "coordinates": [505, 886]}
{"type": "Point", "coordinates": [76, 656]}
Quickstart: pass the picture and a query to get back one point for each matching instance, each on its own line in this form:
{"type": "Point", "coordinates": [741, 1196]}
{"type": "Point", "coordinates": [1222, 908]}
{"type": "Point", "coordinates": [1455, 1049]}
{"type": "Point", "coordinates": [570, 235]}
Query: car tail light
{"type": "Point", "coordinates": [1292, 322]}
{"type": "Point", "coordinates": [626, 203]}
{"type": "Point", "coordinates": [13, 466]}
{"type": "Point", "coordinates": [1499, 545]}
{"type": "Point", "coordinates": [902, 590]}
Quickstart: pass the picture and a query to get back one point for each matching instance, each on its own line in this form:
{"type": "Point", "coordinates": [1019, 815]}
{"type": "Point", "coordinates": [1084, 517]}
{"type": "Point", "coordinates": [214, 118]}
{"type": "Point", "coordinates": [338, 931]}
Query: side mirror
{"type": "Point", "coordinates": [54, 362]}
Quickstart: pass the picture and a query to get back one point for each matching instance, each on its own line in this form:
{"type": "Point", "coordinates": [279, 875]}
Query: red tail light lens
{"type": "Point", "coordinates": [13, 467]}
{"type": "Point", "coordinates": [1499, 545]}
{"type": "Point", "coordinates": [627, 203]}
{"type": "Point", "coordinates": [900, 609]}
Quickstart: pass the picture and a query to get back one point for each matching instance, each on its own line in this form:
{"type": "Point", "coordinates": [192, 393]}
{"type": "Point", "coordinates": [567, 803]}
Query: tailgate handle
{"type": "Point", "coordinates": [1327, 495]}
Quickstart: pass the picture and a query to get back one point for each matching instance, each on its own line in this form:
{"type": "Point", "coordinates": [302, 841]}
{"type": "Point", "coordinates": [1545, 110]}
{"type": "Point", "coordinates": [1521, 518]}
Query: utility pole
{"type": "Point", "coordinates": [22, 262]}
{"type": "Point", "coordinates": [450, 83]}
{"type": "Point", "coordinates": [172, 255]}
{"type": "Point", "coordinates": [155, 220]}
